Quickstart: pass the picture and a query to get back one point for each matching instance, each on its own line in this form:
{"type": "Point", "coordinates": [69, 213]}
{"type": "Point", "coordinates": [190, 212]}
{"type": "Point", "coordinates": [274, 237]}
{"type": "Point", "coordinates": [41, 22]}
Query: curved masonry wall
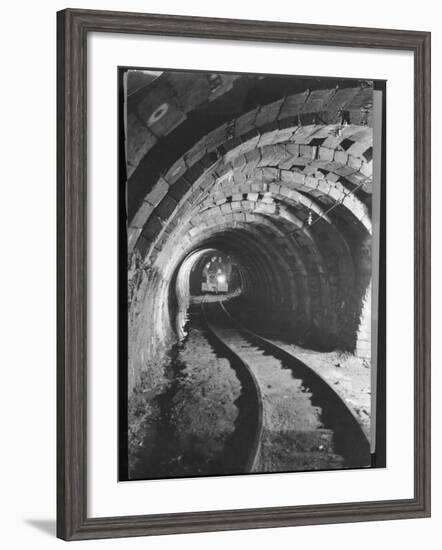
{"type": "Point", "coordinates": [284, 187]}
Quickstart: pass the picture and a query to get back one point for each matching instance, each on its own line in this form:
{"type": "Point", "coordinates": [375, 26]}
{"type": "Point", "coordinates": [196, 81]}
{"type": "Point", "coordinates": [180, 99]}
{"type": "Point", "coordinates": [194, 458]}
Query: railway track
{"type": "Point", "coordinates": [296, 422]}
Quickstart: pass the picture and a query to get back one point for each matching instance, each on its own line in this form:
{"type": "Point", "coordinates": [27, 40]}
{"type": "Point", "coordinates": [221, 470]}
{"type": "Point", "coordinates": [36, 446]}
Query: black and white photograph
{"type": "Point", "coordinates": [249, 308]}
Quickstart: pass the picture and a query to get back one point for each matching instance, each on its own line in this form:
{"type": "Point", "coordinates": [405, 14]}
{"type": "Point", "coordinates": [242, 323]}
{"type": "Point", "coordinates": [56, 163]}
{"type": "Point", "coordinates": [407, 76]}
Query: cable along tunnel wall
{"type": "Point", "coordinates": [284, 188]}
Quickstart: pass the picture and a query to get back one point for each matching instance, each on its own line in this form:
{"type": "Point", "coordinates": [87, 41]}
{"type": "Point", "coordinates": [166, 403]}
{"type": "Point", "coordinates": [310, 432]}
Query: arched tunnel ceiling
{"type": "Point", "coordinates": [281, 180]}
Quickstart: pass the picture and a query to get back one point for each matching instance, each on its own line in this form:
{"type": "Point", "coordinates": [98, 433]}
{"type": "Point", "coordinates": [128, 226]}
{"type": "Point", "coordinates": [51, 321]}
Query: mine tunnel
{"type": "Point", "coordinates": [270, 174]}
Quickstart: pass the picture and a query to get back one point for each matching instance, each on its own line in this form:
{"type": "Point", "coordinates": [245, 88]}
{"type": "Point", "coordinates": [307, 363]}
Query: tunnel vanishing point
{"type": "Point", "coordinates": [273, 171]}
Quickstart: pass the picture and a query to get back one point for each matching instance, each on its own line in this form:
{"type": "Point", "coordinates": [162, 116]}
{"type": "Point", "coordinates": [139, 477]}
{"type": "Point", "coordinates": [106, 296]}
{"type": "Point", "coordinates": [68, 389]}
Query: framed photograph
{"type": "Point", "coordinates": [243, 274]}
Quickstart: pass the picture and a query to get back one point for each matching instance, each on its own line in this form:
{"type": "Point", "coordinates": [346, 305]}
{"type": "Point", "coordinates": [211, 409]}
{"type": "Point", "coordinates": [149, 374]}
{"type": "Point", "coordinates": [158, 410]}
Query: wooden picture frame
{"type": "Point", "coordinates": [73, 27]}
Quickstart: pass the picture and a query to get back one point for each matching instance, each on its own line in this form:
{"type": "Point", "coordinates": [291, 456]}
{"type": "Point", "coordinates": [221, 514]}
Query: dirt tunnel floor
{"type": "Point", "coordinates": [348, 375]}
{"type": "Point", "coordinates": [182, 427]}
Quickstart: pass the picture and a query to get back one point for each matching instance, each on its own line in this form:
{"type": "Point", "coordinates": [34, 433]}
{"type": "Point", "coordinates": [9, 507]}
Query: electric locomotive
{"type": "Point", "coordinates": [215, 277]}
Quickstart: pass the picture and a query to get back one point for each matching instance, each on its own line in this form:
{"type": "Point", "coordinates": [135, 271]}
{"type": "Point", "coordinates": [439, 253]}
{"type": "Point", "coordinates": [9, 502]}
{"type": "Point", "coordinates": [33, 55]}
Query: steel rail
{"type": "Point", "coordinates": [289, 358]}
{"type": "Point", "coordinates": [253, 458]}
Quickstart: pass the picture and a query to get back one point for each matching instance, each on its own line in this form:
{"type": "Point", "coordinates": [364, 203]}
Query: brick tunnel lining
{"type": "Point", "coordinates": [252, 189]}
{"type": "Point", "coordinates": [295, 295]}
{"type": "Point", "coordinates": [287, 283]}
{"type": "Point", "coordinates": [263, 283]}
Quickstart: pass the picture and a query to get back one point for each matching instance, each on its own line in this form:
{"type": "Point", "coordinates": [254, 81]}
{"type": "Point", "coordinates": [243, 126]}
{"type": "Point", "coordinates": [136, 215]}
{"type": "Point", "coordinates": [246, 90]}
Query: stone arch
{"type": "Point", "coordinates": [293, 175]}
